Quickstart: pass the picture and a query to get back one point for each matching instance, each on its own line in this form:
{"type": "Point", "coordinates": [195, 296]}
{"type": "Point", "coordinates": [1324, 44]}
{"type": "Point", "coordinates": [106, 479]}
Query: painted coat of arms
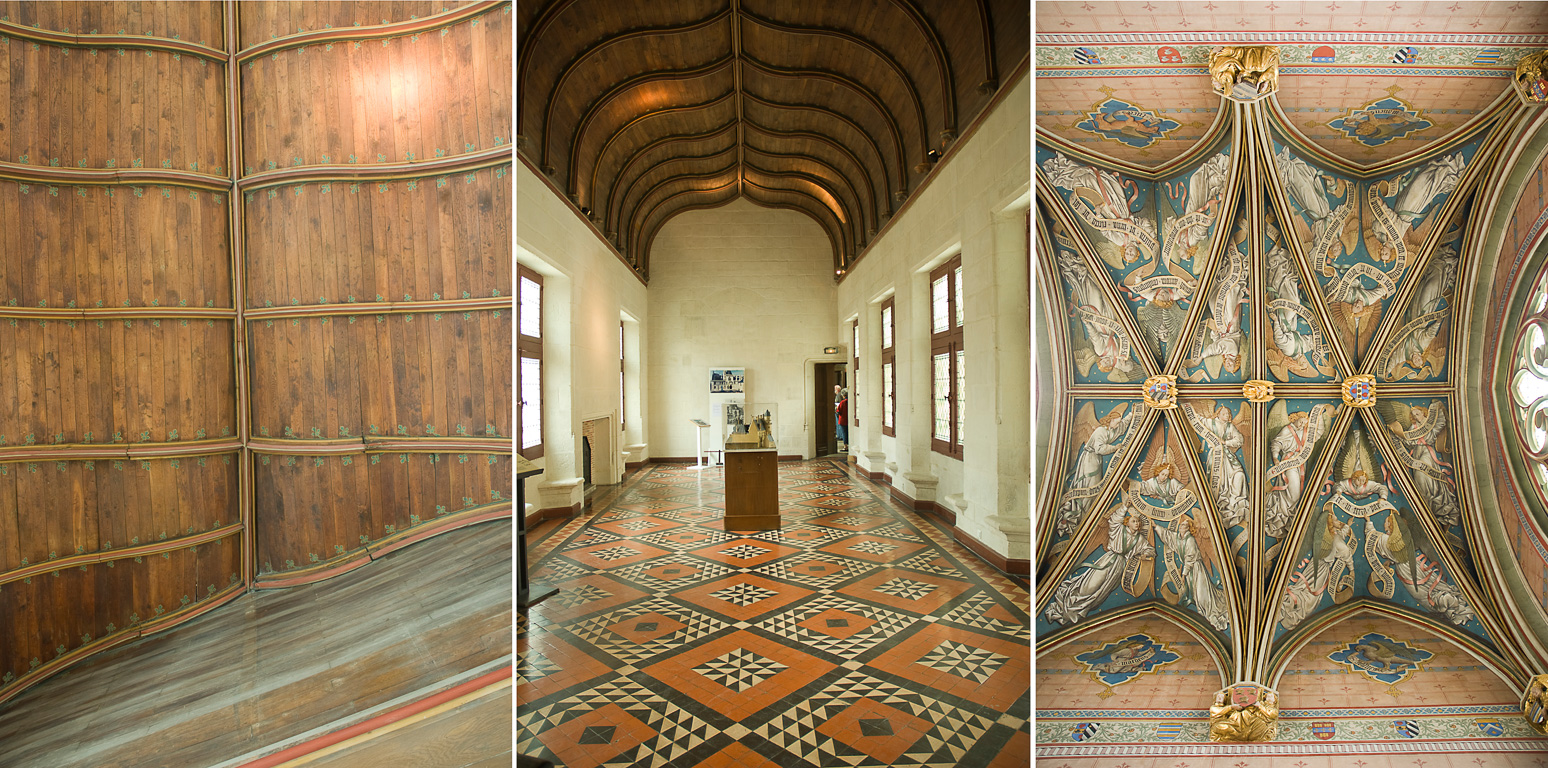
{"type": "Point", "coordinates": [1491, 726]}
{"type": "Point", "coordinates": [1407, 729]}
{"type": "Point", "coordinates": [1378, 123]}
{"type": "Point", "coordinates": [1120, 121]}
{"type": "Point", "coordinates": [1084, 731]}
{"type": "Point", "coordinates": [1381, 658]}
{"type": "Point", "coordinates": [1123, 660]}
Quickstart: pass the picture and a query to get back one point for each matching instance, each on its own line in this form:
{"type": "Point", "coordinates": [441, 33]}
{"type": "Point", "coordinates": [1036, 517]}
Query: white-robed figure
{"type": "Point", "coordinates": [1104, 192]}
{"type": "Point", "coordinates": [1223, 436]}
{"type": "Point", "coordinates": [1204, 195]}
{"type": "Point", "coordinates": [1301, 350]}
{"type": "Point", "coordinates": [1423, 321]}
{"type": "Point", "coordinates": [1097, 438]}
{"type": "Point", "coordinates": [1222, 329]}
{"type": "Point", "coordinates": [1290, 449]}
{"type": "Point", "coordinates": [1328, 570]}
{"type": "Point", "coordinates": [1421, 433]}
{"type": "Point", "coordinates": [1403, 544]}
{"type": "Point", "coordinates": [1192, 565]}
{"type": "Point", "coordinates": [1097, 317]}
{"type": "Point", "coordinates": [1306, 184]}
{"type": "Point", "coordinates": [1423, 188]}
{"type": "Point", "coordinates": [1126, 554]}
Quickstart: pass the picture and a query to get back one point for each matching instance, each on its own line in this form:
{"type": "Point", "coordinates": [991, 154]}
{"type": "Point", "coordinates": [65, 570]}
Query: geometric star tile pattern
{"type": "Point", "coordinates": [858, 634]}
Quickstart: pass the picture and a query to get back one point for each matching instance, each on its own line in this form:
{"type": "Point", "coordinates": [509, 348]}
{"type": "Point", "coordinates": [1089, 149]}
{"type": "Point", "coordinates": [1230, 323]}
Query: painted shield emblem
{"type": "Point", "coordinates": [1085, 55]}
{"type": "Point", "coordinates": [1323, 731]}
{"type": "Point", "coordinates": [1244, 695]}
{"type": "Point", "coordinates": [1084, 731]}
{"type": "Point", "coordinates": [1406, 729]}
{"type": "Point", "coordinates": [1169, 731]}
{"type": "Point", "coordinates": [1491, 726]}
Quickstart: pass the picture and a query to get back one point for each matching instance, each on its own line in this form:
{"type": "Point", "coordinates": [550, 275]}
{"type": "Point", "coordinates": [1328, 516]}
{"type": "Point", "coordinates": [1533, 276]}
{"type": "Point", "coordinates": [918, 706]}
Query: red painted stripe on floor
{"type": "Point", "coordinates": [386, 718]}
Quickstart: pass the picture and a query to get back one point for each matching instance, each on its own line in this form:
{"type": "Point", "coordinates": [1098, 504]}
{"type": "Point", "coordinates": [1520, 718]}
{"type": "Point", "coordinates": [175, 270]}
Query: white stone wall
{"type": "Point", "coordinates": [588, 291]}
{"type": "Point", "coordinates": [976, 206]}
{"type": "Point", "coordinates": [739, 285]}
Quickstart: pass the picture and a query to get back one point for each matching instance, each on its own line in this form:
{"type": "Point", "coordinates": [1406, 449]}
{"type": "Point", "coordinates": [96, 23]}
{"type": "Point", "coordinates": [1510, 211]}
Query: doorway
{"type": "Point", "coordinates": [827, 376]}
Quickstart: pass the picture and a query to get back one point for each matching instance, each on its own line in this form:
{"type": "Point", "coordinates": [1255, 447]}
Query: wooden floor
{"type": "Point", "coordinates": [474, 735]}
{"type": "Point", "coordinates": [277, 668]}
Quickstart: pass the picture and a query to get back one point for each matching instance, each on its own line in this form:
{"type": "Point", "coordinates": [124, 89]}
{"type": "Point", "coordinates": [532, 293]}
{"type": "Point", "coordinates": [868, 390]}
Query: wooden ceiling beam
{"type": "Point", "coordinates": [606, 42]}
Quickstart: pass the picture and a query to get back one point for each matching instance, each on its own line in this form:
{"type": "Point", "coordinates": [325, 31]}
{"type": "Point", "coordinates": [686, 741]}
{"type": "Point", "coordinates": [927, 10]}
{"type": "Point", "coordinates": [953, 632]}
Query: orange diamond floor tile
{"type": "Point", "coordinates": [857, 635]}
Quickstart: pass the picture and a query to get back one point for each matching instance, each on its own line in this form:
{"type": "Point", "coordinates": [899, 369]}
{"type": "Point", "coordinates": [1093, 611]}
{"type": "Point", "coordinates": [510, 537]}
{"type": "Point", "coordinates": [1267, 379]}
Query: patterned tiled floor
{"type": "Point", "coordinates": [856, 635]}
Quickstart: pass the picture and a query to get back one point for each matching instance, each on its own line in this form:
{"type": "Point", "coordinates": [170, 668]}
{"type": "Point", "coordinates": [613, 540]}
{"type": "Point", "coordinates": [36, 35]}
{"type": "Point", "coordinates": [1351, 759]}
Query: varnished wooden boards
{"type": "Point", "coordinates": [377, 310]}
{"type": "Point", "coordinates": [278, 668]}
{"type": "Point", "coordinates": [120, 491]}
{"type": "Point", "coordinates": [752, 490]}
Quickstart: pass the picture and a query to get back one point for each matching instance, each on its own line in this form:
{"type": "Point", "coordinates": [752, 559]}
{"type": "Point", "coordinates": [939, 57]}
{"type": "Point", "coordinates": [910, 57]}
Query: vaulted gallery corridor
{"type": "Point", "coordinates": [774, 290]}
{"type": "Point", "coordinates": [255, 382]}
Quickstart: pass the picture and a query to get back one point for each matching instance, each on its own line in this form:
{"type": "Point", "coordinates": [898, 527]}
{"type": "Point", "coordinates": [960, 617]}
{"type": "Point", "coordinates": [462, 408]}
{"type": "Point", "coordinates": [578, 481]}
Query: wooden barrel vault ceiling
{"type": "Point", "coordinates": [255, 302]}
{"type": "Point", "coordinates": [641, 111]}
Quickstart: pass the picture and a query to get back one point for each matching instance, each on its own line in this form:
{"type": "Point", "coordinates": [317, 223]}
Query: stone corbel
{"type": "Point", "coordinates": [1246, 711]}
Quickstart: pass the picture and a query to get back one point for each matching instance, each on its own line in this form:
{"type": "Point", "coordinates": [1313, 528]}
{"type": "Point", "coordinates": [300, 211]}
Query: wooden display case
{"type": "Point", "coordinates": [752, 490]}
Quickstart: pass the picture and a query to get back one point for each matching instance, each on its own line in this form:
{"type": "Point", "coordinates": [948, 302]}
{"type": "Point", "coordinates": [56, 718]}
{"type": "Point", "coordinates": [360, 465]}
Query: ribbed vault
{"type": "Point", "coordinates": [1256, 255]}
{"type": "Point", "coordinates": [640, 112]}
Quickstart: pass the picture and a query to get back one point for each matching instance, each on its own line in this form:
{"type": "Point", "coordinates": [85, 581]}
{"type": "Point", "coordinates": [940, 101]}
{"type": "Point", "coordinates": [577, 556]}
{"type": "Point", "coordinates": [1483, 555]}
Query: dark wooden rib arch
{"type": "Point", "coordinates": [665, 111]}
{"type": "Point", "coordinates": [881, 157]}
{"type": "Point", "coordinates": [634, 217]}
{"type": "Point", "coordinates": [990, 70]}
{"type": "Point", "coordinates": [828, 229]}
{"type": "Point", "coordinates": [642, 248]}
{"type": "Point", "coordinates": [856, 216]}
{"type": "Point", "coordinates": [609, 212]}
{"type": "Point", "coordinates": [796, 80]}
{"type": "Point", "coordinates": [628, 190]}
{"type": "Point", "coordinates": [865, 93]}
{"type": "Point", "coordinates": [942, 61]}
{"type": "Point", "coordinates": [847, 235]}
{"type": "Point", "coordinates": [569, 68]}
{"type": "Point", "coordinates": [875, 50]}
{"type": "Point", "coordinates": [872, 190]}
{"type": "Point", "coordinates": [612, 93]}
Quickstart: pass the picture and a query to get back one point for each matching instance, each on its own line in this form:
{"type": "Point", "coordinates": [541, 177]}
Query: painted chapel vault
{"type": "Point", "coordinates": [1295, 402]}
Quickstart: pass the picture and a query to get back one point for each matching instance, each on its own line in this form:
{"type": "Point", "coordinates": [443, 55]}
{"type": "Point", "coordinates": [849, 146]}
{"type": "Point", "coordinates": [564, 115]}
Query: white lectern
{"type": "Point", "coordinates": [699, 456]}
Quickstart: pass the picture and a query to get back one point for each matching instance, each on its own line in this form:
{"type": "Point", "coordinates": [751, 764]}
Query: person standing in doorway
{"type": "Point", "coordinates": [841, 415]}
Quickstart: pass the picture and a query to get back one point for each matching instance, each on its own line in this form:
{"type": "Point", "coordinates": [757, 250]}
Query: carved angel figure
{"type": "Point", "coordinates": [1421, 435]}
{"type": "Point", "coordinates": [1097, 438]}
{"type": "Point", "coordinates": [1128, 552]}
{"type": "Point", "coordinates": [1239, 722]}
{"type": "Point", "coordinates": [1254, 65]}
